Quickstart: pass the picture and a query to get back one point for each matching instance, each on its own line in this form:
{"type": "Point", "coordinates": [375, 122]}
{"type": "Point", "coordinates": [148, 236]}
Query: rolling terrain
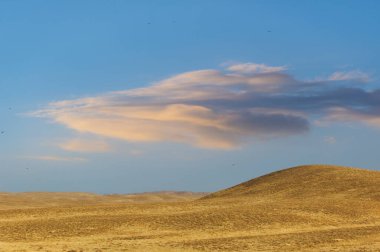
{"type": "Point", "coordinates": [60, 199]}
{"type": "Point", "coordinates": [305, 208]}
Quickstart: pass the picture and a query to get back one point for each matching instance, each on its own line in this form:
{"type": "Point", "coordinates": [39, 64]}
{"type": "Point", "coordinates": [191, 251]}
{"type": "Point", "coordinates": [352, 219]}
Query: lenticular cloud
{"type": "Point", "coordinates": [220, 109]}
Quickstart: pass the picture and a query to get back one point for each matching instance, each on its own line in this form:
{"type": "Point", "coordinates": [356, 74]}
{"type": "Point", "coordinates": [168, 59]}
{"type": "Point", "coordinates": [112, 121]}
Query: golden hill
{"type": "Point", "coordinates": [307, 208]}
{"type": "Point", "coordinates": [309, 181]}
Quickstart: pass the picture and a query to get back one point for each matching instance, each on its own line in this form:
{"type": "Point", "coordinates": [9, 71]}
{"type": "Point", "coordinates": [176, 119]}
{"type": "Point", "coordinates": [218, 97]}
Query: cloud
{"type": "Point", "coordinates": [220, 109]}
{"type": "Point", "coordinates": [350, 76]}
{"type": "Point", "coordinates": [368, 116]}
{"type": "Point", "coordinates": [85, 145]}
{"type": "Point", "coordinates": [56, 158]}
{"type": "Point", "coordinates": [252, 68]}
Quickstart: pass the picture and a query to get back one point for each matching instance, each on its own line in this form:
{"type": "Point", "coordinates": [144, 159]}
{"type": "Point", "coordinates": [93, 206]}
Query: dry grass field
{"type": "Point", "coordinates": [61, 199]}
{"type": "Point", "coordinates": [308, 208]}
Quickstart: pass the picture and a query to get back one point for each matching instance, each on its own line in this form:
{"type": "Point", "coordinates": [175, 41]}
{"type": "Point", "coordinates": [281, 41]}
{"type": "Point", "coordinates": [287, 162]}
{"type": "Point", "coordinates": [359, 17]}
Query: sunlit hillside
{"type": "Point", "coordinates": [309, 181]}
{"type": "Point", "coordinates": [308, 208]}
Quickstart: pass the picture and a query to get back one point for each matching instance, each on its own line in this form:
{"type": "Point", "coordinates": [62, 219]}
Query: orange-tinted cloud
{"type": "Point", "coordinates": [85, 145]}
{"type": "Point", "coordinates": [219, 109]}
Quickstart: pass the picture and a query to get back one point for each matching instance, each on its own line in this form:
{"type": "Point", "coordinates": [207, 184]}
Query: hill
{"type": "Point", "coordinates": [308, 181]}
{"type": "Point", "coordinates": [60, 199]}
{"type": "Point", "coordinates": [306, 208]}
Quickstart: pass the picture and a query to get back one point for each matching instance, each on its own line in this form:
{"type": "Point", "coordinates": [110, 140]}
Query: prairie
{"type": "Point", "coordinates": [306, 208]}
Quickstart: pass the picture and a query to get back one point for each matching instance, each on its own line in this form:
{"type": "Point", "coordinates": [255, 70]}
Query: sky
{"type": "Point", "coordinates": [136, 96]}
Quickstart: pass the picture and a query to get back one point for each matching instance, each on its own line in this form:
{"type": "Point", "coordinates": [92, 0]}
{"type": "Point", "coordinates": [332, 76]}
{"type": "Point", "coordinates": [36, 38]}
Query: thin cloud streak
{"type": "Point", "coordinates": [252, 68]}
{"type": "Point", "coordinates": [84, 145]}
{"type": "Point", "coordinates": [220, 109]}
{"type": "Point", "coordinates": [351, 75]}
{"type": "Point", "coordinates": [56, 158]}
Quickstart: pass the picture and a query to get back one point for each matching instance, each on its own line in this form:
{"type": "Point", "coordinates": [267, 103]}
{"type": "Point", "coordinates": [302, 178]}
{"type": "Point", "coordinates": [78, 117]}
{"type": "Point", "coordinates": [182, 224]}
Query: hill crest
{"type": "Point", "coordinates": [308, 181]}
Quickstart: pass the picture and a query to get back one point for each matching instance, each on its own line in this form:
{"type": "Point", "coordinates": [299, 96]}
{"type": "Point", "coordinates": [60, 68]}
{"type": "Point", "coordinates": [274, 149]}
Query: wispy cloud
{"type": "Point", "coordinates": [252, 68]}
{"type": "Point", "coordinates": [219, 108]}
{"type": "Point", "coordinates": [85, 145]}
{"type": "Point", "coordinates": [350, 75]}
{"type": "Point", "coordinates": [56, 158]}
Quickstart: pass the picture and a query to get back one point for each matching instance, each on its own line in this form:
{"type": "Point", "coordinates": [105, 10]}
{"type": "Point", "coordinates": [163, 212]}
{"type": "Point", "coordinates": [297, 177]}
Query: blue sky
{"type": "Point", "coordinates": [127, 139]}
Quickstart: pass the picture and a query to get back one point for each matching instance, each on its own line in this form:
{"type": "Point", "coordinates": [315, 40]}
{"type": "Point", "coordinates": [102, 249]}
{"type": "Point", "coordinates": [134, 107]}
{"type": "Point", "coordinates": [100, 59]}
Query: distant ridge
{"type": "Point", "coordinates": [308, 181]}
{"type": "Point", "coordinates": [55, 199]}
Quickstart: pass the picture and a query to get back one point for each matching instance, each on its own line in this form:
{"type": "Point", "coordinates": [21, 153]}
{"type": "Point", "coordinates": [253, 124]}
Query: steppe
{"type": "Point", "coordinates": [305, 208]}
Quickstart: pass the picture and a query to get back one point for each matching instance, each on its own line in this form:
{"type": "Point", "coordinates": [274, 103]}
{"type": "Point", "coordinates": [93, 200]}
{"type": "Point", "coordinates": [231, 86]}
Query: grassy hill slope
{"type": "Point", "coordinates": [309, 181]}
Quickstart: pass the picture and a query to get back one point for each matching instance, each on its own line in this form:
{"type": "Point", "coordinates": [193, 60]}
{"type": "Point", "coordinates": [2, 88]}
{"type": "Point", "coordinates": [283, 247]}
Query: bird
{"type": "Point", "coordinates": [269, 31]}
